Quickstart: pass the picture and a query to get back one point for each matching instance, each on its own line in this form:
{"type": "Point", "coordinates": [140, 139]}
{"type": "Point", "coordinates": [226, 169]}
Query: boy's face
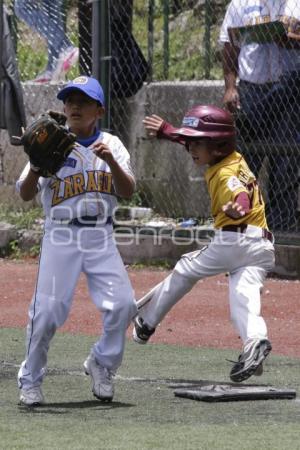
{"type": "Point", "coordinates": [82, 112]}
{"type": "Point", "coordinates": [201, 152]}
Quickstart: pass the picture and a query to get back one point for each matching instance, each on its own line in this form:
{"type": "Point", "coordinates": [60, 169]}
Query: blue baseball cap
{"type": "Point", "coordinates": [88, 85]}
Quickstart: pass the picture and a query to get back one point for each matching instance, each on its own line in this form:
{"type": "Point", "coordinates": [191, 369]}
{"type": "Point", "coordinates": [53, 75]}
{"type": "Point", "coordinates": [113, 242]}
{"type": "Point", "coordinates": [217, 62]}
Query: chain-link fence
{"type": "Point", "coordinates": [176, 40]}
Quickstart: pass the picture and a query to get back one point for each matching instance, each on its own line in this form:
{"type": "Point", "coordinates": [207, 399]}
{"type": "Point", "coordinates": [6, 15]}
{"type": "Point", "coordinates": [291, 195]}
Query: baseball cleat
{"type": "Point", "coordinates": [250, 360]}
{"type": "Point", "coordinates": [141, 332]}
{"type": "Point", "coordinates": [43, 77]}
{"type": "Point", "coordinates": [67, 59]}
{"type": "Point", "coordinates": [259, 371]}
{"type": "Point", "coordinates": [102, 385]}
{"type": "Point", "coordinates": [32, 396]}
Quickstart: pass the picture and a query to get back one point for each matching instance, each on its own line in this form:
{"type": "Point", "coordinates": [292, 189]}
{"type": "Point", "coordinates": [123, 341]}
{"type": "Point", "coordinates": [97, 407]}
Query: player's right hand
{"type": "Point", "coordinates": [233, 210]}
{"type": "Point", "coordinates": [152, 125]}
{"type": "Point", "coordinates": [231, 100]}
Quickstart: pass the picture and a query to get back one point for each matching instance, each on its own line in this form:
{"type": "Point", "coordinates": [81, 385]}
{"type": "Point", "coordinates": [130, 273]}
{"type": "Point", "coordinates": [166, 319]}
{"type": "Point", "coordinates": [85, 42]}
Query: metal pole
{"type": "Point", "coordinates": [1, 90]}
{"type": "Point", "coordinates": [207, 43]}
{"type": "Point", "coordinates": [150, 37]}
{"type": "Point", "coordinates": [166, 39]}
{"type": "Point", "coordinates": [101, 52]}
{"type": "Point", "coordinates": [1, 40]}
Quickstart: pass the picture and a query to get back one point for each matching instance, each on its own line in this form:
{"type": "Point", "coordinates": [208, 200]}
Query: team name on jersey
{"type": "Point", "coordinates": [76, 184]}
{"type": "Point", "coordinates": [257, 20]}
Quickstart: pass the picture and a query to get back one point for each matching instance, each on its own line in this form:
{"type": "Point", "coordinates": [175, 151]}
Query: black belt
{"type": "Point", "coordinates": [267, 84]}
{"type": "Point", "coordinates": [87, 221]}
{"type": "Point", "coordinates": [243, 227]}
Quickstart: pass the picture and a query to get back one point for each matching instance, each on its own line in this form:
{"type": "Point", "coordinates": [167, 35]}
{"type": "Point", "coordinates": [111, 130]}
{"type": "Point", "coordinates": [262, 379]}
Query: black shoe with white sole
{"type": "Point", "coordinates": [250, 360]}
{"type": "Point", "coordinates": [141, 332]}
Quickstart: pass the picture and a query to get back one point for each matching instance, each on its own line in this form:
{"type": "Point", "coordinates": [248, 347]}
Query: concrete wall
{"type": "Point", "coordinates": [164, 170]}
{"type": "Point", "coordinates": [37, 99]}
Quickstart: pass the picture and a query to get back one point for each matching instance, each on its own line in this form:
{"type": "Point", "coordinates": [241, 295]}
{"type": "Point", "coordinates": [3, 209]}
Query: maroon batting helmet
{"type": "Point", "coordinates": [209, 121]}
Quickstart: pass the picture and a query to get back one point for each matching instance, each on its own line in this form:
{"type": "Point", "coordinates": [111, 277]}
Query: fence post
{"type": "Point", "coordinates": [1, 39]}
{"type": "Point", "coordinates": [150, 37]}
{"type": "Point", "coordinates": [166, 39]}
{"type": "Point", "coordinates": [1, 90]}
{"type": "Point", "coordinates": [2, 107]}
{"type": "Point", "coordinates": [207, 43]}
{"type": "Point", "coordinates": [101, 52]}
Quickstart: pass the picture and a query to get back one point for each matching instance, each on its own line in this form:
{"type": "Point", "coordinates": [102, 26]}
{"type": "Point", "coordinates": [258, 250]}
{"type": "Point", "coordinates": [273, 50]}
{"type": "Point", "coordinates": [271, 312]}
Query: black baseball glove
{"type": "Point", "coordinates": [48, 143]}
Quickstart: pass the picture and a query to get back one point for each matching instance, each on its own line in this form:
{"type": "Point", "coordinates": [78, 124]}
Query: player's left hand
{"type": "Point", "coordinates": [152, 125]}
{"type": "Point", "coordinates": [103, 152]}
{"type": "Point", "coordinates": [233, 210]}
{"type": "Point", "coordinates": [295, 36]}
{"type": "Point", "coordinates": [292, 39]}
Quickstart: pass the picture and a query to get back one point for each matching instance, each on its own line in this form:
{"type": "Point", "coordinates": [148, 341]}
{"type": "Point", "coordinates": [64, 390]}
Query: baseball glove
{"type": "Point", "coordinates": [48, 143]}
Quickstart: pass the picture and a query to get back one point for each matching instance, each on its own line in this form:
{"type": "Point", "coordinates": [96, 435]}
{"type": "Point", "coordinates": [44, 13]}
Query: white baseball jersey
{"type": "Point", "coordinates": [261, 63]}
{"type": "Point", "coordinates": [84, 185]}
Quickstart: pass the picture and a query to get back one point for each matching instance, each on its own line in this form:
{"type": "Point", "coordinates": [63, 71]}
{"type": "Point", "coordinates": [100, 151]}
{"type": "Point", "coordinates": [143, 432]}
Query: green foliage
{"type": "Point", "coordinates": [13, 250]}
{"type": "Point", "coordinates": [30, 63]}
{"type": "Point", "coordinates": [15, 253]}
{"type": "Point", "coordinates": [32, 50]}
{"type": "Point", "coordinates": [189, 54]}
{"type": "Point", "coordinates": [137, 199]}
{"type": "Point", "coordinates": [161, 265]}
{"type": "Point", "coordinates": [34, 251]}
{"type": "Point", "coordinates": [20, 218]}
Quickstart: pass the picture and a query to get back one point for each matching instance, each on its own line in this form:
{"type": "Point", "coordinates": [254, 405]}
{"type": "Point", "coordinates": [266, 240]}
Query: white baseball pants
{"type": "Point", "coordinates": [246, 259]}
{"type": "Point", "coordinates": [65, 253]}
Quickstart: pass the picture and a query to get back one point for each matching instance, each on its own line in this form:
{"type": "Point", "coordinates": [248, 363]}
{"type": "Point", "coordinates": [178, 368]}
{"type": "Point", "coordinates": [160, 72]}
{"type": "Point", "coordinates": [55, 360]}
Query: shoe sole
{"type": "Point", "coordinates": [64, 67]}
{"type": "Point", "coordinates": [70, 61]}
{"type": "Point", "coordinates": [244, 375]}
{"type": "Point", "coordinates": [259, 371]}
{"type": "Point", "coordinates": [137, 339]}
{"type": "Point", "coordinates": [30, 405]}
{"type": "Point", "coordinates": [103, 399]}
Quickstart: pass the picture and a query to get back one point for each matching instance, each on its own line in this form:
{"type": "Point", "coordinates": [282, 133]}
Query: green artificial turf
{"type": "Point", "coordinates": [145, 414]}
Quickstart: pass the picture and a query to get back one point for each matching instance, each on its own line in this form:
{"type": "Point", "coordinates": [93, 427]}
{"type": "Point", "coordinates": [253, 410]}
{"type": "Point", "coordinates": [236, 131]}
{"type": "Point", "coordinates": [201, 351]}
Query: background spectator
{"type": "Point", "coordinates": [267, 98]}
{"type": "Point", "coordinates": [46, 18]}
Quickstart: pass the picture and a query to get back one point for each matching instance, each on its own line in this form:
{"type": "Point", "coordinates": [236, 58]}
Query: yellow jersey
{"type": "Point", "coordinates": [225, 180]}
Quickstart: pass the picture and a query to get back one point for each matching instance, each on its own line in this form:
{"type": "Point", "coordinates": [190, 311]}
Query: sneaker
{"type": "Point", "coordinates": [259, 371]}
{"type": "Point", "coordinates": [43, 77]}
{"type": "Point", "coordinates": [32, 396]}
{"type": "Point", "coordinates": [141, 332]}
{"type": "Point", "coordinates": [250, 360]}
{"type": "Point", "coordinates": [102, 386]}
{"type": "Point", "coordinates": [67, 59]}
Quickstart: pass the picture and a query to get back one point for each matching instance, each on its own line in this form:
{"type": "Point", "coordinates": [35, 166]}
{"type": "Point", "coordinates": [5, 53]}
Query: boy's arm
{"type": "Point", "coordinates": [231, 98]}
{"type": "Point", "coordinates": [292, 39]}
{"type": "Point", "coordinates": [124, 183]}
{"type": "Point", "coordinates": [159, 128]}
{"type": "Point", "coordinates": [29, 186]}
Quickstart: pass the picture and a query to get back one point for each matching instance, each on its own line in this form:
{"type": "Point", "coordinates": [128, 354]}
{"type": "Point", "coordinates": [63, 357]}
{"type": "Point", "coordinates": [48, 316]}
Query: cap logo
{"type": "Point", "coordinates": [80, 80]}
{"type": "Point", "coordinates": [190, 122]}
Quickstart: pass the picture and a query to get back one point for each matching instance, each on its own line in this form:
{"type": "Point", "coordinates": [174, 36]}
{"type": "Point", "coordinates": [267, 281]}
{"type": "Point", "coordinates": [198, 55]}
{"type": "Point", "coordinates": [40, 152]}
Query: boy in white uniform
{"type": "Point", "coordinates": [78, 237]}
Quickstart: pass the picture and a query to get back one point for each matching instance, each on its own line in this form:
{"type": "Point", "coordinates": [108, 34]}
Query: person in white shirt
{"type": "Point", "coordinates": [262, 86]}
{"type": "Point", "coordinates": [79, 203]}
